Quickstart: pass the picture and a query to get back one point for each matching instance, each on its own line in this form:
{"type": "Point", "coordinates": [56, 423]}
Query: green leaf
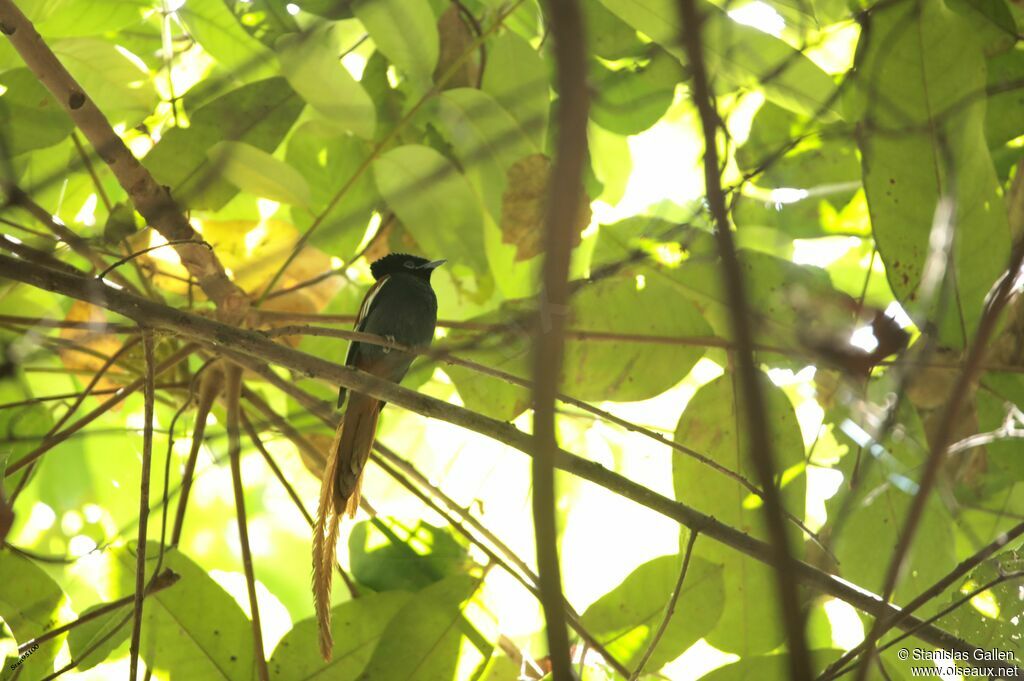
{"type": "Point", "coordinates": [83, 637]}
{"type": "Point", "coordinates": [714, 424]}
{"type": "Point", "coordinates": [193, 629]}
{"type": "Point", "coordinates": [310, 63]}
{"type": "Point", "coordinates": [517, 77]}
{"type": "Point", "coordinates": [631, 99]}
{"type": "Point", "coordinates": [357, 627]}
{"type": "Point", "coordinates": [121, 87]}
{"type": "Point", "coordinates": [626, 618]}
{"type": "Point", "coordinates": [259, 114]}
{"type": "Point", "coordinates": [925, 57]}
{"type": "Point", "coordinates": [434, 202]}
{"type": "Point", "coordinates": [121, 223]}
{"type": "Point", "coordinates": [486, 139]}
{"type": "Point", "coordinates": [258, 173]}
{"type": "Point", "coordinates": [742, 54]}
{"type": "Point", "coordinates": [875, 515]}
{"type": "Point", "coordinates": [29, 601]}
{"type": "Point", "coordinates": [30, 118]}
{"type": "Point", "coordinates": [430, 638]}
{"type": "Point", "coordinates": [1004, 111]}
{"type": "Point", "coordinates": [608, 36]}
{"type": "Point", "coordinates": [385, 555]}
{"type": "Point", "coordinates": [22, 426]}
{"type": "Point", "coordinates": [71, 18]}
{"type": "Point", "coordinates": [406, 32]}
{"type": "Point", "coordinates": [991, 620]}
{"type": "Point", "coordinates": [216, 29]}
{"type": "Point", "coordinates": [328, 162]}
{"type": "Point", "coordinates": [597, 368]}
{"type": "Point", "coordinates": [768, 667]}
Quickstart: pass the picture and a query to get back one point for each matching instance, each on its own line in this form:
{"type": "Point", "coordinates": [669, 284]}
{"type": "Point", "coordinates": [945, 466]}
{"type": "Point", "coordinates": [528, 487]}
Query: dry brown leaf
{"type": "Point", "coordinates": [456, 38]}
{"type": "Point", "coordinates": [523, 205]}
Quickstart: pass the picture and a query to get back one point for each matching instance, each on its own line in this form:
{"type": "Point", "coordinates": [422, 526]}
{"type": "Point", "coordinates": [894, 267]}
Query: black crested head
{"type": "Point", "coordinates": [398, 263]}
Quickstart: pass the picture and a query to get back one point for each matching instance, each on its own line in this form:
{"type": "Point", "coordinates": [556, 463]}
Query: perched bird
{"type": "Point", "coordinates": [402, 307]}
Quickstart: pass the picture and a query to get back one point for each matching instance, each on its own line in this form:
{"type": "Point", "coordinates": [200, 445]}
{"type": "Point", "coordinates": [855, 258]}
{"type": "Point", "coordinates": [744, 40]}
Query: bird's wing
{"type": "Point", "coordinates": [364, 312]}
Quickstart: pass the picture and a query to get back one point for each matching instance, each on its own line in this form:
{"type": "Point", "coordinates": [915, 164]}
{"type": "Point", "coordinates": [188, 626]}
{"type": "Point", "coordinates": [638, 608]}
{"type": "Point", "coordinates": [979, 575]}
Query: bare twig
{"type": "Point", "coordinates": [140, 550]}
{"type": "Point", "coordinates": [749, 391]}
{"type": "Point", "coordinates": [670, 609]}
{"type": "Point", "coordinates": [233, 389]}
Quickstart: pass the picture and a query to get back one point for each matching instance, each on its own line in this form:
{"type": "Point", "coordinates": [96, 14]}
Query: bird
{"type": "Point", "coordinates": [401, 306]}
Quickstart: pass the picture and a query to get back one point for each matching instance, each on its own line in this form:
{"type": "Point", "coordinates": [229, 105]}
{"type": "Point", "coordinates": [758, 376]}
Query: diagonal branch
{"type": "Point", "coordinates": [152, 200]}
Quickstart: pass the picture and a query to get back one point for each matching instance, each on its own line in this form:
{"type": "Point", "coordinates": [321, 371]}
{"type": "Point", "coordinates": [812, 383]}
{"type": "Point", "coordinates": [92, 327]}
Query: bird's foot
{"type": "Point", "coordinates": [389, 339]}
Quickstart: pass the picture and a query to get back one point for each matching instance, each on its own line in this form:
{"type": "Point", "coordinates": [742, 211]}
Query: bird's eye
{"type": "Point", "coordinates": [409, 264]}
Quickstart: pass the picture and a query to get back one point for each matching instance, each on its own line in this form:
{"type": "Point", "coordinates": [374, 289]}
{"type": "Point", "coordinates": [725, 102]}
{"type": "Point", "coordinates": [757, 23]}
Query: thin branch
{"type": "Point", "coordinates": [118, 397]}
{"type": "Point", "coordinates": [165, 579]}
{"type": "Point", "coordinates": [670, 609]}
{"type": "Point", "coordinates": [749, 391]}
{"type": "Point", "coordinates": [132, 256]}
{"type": "Point", "coordinates": [233, 389]}
{"type": "Point", "coordinates": [151, 199]}
{"type": "Point", "coordinates": [140, 549]}
{"type": "Point", "coordinates": [256, 345]}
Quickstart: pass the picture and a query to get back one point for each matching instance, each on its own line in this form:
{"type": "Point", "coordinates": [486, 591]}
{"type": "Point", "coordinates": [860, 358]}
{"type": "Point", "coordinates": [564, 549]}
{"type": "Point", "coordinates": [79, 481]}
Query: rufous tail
{"type": "Point", "coordinates": [339, 494]}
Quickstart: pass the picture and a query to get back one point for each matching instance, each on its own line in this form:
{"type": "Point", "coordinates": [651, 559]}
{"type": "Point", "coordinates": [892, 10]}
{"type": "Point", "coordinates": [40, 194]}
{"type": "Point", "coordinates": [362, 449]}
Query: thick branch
{"type": "Point", "coordinates": [152, 200]}
{"type": "Point", "coordinates": [255, 344]}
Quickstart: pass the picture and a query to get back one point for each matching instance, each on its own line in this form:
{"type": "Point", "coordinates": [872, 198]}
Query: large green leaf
{"type": "Point", "coordinates": [486, 139]}
{"type": "Point", "coordinates": [406, 32]}
{"type": "Point", "coordinates": [386, 555]}
{"type": "Point", "coordinates": [434, 202]}
{"type": "Point", "coordinates": [310, 63]}
{"type": "Point", "coordinates": [632, 98]}
{"type": "Point", "coordinates": [258, 114]}
{"type": "Point", "coordinates": [258, 173]}
{"type": "Point", "coordinates": [329, 161]}
{"type": "Point", "coordinates": [922, 140]}
{"type": "Point", "coordinates": [216, 29]}
{"type": "Point", "coordinates": [30, 118]}
{"type": "Point", "coordinates": [430, 638]}
{"type": "Point", "coordinates": [714, 424]}
{"type": "Point", "coordinates": [875, 514]}
{"type": "Point", "coordinates": [517, 78]}
{"type": "Point", "coordinates": [357, 627]}
{"type": "Point", "coordinates": [626, 618]}
{"type": "Point", "coordinates": [122, 90]}
{"type": "Point", "coordinates": [100, 636]}
{"type": "Point", "coordinates": [70, 18]}
{"type": "Point", "coordinates": [193, 629]}
{"type": "Point", "coordinates": [29, 601]}
{"type": "Point", "coordinates": [742, 54]}
{"type": "Point", "coordinates": [601, 367]}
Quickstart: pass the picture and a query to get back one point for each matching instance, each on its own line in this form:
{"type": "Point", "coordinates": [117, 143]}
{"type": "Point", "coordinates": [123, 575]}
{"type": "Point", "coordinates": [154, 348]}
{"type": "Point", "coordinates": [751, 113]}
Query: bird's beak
{"type": "Point", "coordinates": [432, 264]}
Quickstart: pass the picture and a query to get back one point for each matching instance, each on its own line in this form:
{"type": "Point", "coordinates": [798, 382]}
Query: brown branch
{"type": "Point", "coordinates": [749, 392]}
{"type": "Point", "coordinates": [233, 389]}
{"type": "Point", "coordinates": [140, 549]}
{"type": "Point", "coordinates": [256, 345]}
{"type": "Point", "coordinates": [564, 194]}
{"type": "Point", "coordinates": [210, 386]}
{"type": "Point", "coordinates": [152, 200]}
